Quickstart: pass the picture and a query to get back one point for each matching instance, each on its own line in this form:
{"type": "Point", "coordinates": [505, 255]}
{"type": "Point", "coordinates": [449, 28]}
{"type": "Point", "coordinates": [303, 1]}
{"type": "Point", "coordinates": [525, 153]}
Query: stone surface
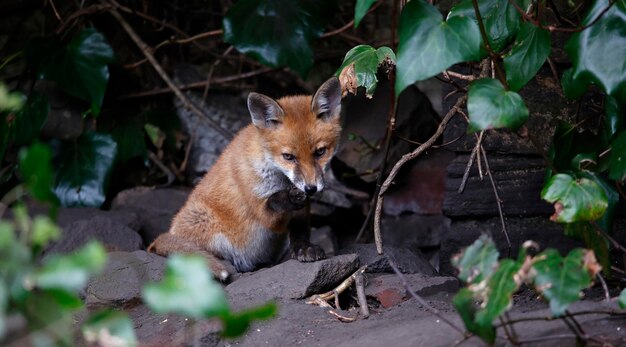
{"type": "Point", "coordinates": [414, 231]}
{"type": "Point", "coordinates": [519, 181]}
{"type": "Point", "coordinates": [154, 207]}
{"type": "Point", "coordinates": [420, 189]}
{"type": "Point", "coordinates": [540, 229]}
{"type": "Point", "coordinates": [407, 261]}
{"type": "Point", "coordinates": [389, 290]}
{"type": "Point", "coordinates": [114, 236]}
{"type": "Point", "coordinates": [120, 283]}
{"type": "Point", "coordinates": [291, 280]}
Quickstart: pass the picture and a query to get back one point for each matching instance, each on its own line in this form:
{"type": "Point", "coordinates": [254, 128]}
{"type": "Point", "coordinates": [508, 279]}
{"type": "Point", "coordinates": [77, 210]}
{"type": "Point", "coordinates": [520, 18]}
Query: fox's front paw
{"type": "Point", "coordinates": [307, 252]}
{"type": "Point", "coordinates": [297, 198]}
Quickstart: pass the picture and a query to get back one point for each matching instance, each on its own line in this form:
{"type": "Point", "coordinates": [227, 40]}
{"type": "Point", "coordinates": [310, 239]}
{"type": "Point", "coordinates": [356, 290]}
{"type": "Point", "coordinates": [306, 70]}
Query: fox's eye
{"type": "Point", "coordinates": [289, 157]}
{"type": "Point", "coordinates": [319, 152]}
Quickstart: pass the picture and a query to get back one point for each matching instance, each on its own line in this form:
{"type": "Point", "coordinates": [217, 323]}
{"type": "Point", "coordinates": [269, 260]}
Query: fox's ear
{"type": "Point", "coordinates": [327, 100]}
{"type": "Point", "coordinates": [265, 112]}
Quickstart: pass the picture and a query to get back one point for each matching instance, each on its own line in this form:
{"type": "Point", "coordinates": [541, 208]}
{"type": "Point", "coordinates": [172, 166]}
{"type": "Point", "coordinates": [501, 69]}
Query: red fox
{"type": "Point", "coordinates": [237, 215]}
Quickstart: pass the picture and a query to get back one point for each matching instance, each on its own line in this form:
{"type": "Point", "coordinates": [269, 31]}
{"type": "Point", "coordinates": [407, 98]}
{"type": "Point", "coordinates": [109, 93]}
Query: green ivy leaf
{"type": "Point", "coordinates": [188, 289]}
{"type": "Point", "coordinates": [21, 127]}
{"type": "Point", "coordinates": [617, 166]}
{"type": "Point", "coordinates": [621, 300]}
{"type": "Point", "coordinates": [44, 231]}
{"type": "Point", "coordinates": [366, 60]}
{"type": "Point", "coordinates": [360, 10]}
{"type": "Point", "coordinates": [501, 287]}
{"type": "Point", "coordinates": [574, 199]}
{"type": "Point", "coordinates": [130, 141]}
{"type": "Point", "coordinates": [4, 303]}
{"type": "Point", "coordinates": [613, 115]}
{"type": "Point", "coordinates": [529, 52]}
{"type": "Point", "coordinates": [235, 324]}
{"type": "Point", "coordinates": [429, 45]}
{"type": "Point", "coordinates": [35, 165]}
{"type": "Point", "coordinates": [478, 261]}
{"type": "Point", "coordinates": [500, 18]}
{"type": "Point", "coordinates": [595, 50]}
{"type": "Point", "coordinates": [84, 168]}
{"type": "Point", "coordinates": [81, 68]}
{"type": "Point", "coordinates": [277, 33]}
{"type": "Point", "coordinates": [464, 303]}
{"type": "Point", "coordinates": [491, 106]}
{"type": "Point", "coordinates": [71, 272]}
{"type": "Point", "coordinates": [10, 101]}
{"type": "Point", "coordinates": [560, 280]}
{"type": "Point", "coordinates": [108, 328]}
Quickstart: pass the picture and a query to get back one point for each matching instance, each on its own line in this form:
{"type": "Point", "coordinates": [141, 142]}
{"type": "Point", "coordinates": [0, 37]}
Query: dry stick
{"type": "Point", "coordinates": [551, 318]}
{"type": "Point", "coordinates": [553, 28]}
{"type": "Point", "coordinates": [508, 334]}
{"type": "Point", "coordinates": [421, 300]}
{"type": "Point", "coordinates": [321, 299]}
{"type": "Point", "coordinates": [201, 84]}
{"type": "Point", "coordinates": [360, 293]}
{"type": "Point", "coordinates": [166, 171]}
{"type": "Point", "coordinates": [145, 50]}
{"type": "Point", "coordinates": [498, 202]}
{"type": "Point", "coordinates": [607, 296]}
{"type": "Point", "coordinates": [468, 167]}
{"type": "Point", "coordinates": [448, 74]}
{"type": "Point", "coordinates": [405, 158]}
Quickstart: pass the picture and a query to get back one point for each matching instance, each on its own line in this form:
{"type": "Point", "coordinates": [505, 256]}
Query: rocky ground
{"type": "Point", "coordinates": [396, 319]}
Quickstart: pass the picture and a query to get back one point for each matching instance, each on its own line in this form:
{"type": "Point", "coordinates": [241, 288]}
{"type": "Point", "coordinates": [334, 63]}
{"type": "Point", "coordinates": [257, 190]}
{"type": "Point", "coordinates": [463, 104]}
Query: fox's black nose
{"type": "Point", "coordinates": [310, 189]}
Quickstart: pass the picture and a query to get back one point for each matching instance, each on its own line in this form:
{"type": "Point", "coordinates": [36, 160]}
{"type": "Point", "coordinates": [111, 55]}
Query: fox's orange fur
{"type": "Point", "coordinates": [237, 215]}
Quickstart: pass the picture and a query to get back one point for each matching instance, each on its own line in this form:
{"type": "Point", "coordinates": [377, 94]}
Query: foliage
{"type": "Point", "coordinates": [490, 106]}
{"type": "Point", "coordinates": [360, 66]}
{"type": "Point", "coordinates": [493, 283]}
{"type": "Point", "coordinates": [188, 289]}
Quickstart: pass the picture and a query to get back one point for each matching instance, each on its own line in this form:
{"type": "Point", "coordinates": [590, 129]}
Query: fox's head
{"type": "Point", "coordinates": [300, 133]}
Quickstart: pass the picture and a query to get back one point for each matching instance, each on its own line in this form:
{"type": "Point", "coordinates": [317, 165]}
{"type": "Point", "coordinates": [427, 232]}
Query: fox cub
{"type": "Point", "coordinates": [237, 215]}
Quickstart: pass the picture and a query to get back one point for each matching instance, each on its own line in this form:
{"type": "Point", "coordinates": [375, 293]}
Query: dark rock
{"type": "Point", "coordinates": [114, 236]}
{"type": "Point", "coordinates": [405, 260]}
{"type": "Point", "coordinates": [421, 189]}
{"type": "Point", "coordinates": [325, 238]}
{"type": "Point", "coordinates": [154, 207]}
{"type": "Point", "coordinates": [366, 119]}
{"type": "Point", "coordinates": [413, 231]}
{"type": "Point", "coordinates": [519, 181]}
{"type": "Point", "coordinates": [291, 280]}
{"type": "Point", "coordinates": [226, 109]}
{"type": "Point", "coordinates": [124, 276]}
{"type": "Point", "coordinates": [389, 290]}
{"type": "Point", "coordinates": [539, 229]}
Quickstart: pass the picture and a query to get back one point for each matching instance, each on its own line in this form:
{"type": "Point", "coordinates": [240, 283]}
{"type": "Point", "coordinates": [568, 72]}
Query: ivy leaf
{"type": "Point", "coordinates": [501, 287]}
{"type": "Point", "coordinates": [277, 33]}
{"type": "Point", "coordinates": [10, 101]}
{"type": "Point", "coordinates": [360, 10]}
{"type": "Point", "coordinates": [81, 68]}
{"type": "Point", "coordinates": [84, 168]}
{"type": "Point", "coordinates": [21, 127]}
{"type": "Point", "coordinates": [44, 231]}
{"type": "Point", "coordinates": [188, 289]}
{"type": "Point", "coordinates": [108, 328]}
{"type": "Point", "coordinates": [491, 106]}
{"type": "Point", "coordinates": [621, 300]}
{"type": "Point", "coordinates": [529, 52]}
{"type": "Point", "coordinates": [429, 45]}
{"type": "Point", "coordinates": [130, 141]}
{"type": "Point", "coordinates": [464, 303]}
{"type": "Point", "coordinates": [71, 272]}
{"type": "Point", "coordinates": [361, 63]}
{"type": "Point", "coordinates": [235, 324]}
{"type": "Point", "coordinates": [617, 163]}
{"type": "Point", "coordinates": [613, 115]}
{"type": "Point", "coordinates": [35, 165]}
{"type": "Point", "coordinates": [595, 50]}
{"type": "Point", "coordinates": [500, 18]}
{"type": "Point", "coordinates": [559, 279]}
{"type": "Point", "coordinates": [574, 199]}
{"type": "Point", "coordinates": [572, 89]}
{"type": "Point", "coordinates": [478, 261]}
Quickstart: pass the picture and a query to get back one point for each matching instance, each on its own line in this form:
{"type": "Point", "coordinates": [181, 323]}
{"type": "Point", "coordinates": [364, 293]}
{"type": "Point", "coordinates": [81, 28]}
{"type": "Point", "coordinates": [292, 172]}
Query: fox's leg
{"type": "Point", "coordinates": [168, 243]}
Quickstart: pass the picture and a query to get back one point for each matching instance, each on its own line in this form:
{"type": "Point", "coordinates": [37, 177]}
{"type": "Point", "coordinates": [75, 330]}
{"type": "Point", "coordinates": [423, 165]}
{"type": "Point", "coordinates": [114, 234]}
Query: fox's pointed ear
{"type": "Point", "coordinates": [327, 100]}
{"type": "Point", "coordinates": [265, 112]}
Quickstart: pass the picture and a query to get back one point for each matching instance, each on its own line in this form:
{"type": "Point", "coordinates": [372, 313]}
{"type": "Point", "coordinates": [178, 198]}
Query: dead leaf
{"type": "Point", "coordinates": [591, 264]}
{"type": "Point", "coordinates": [348, 80]}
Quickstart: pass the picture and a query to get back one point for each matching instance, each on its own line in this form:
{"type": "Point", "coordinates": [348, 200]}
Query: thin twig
{"type": "Point", "coordinates": [360, 294]}
{"type": "Point", "coordinates": [494, 55]}
{"type": "Point", "coordinates": [421, 301]}
{"type": "Point", "coordinates": [201, 84]}
{"type": "Point", "coordinates": [469, 78]}
{"type": "Point", "coordinates": [56, 13]}
{"type": "Point", "coordinates": [551, 318]}
{"type": "Point", "coordinates": [468, 168]}
{"type": "Point", "coordinates": [317, 299]}
{"type": "Point", "coordinates": [498, 202]}
{"type": "Point", "coordinates": [553, 28]}
{"type": "Point", "coordinates": [607, 296]}
{"type": "Point", "coordinates": [479, 146]}
{"type": "Point", "coordinates": [157, 67]}
{"type": "Point", "coordinates": [403, 160]}
{"type": "Point", "coordinates": [168, 173]}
